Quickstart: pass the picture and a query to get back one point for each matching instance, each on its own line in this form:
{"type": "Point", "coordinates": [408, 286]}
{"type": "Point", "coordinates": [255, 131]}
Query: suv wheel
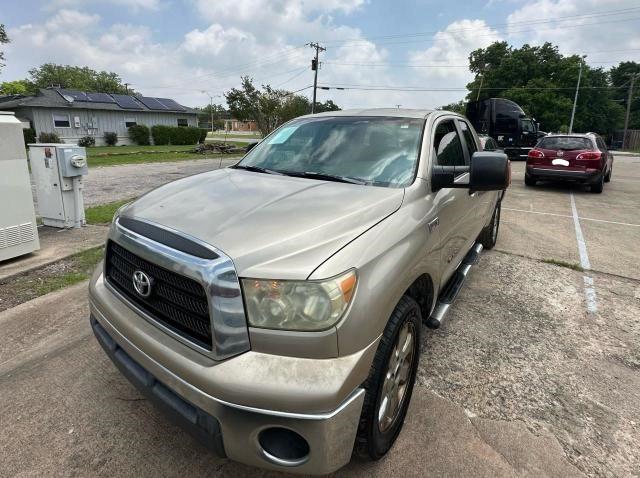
{"type": "Point", "coordinates": [489, 235]}
{"type": "Point", "coordinates": [390, 382]}
{"type": "Point", "coordinates": [599, 186]}
{"type": "Point", "coordinates": [529, 181]}
{"type": "Point", "coordinates": [607, 178]}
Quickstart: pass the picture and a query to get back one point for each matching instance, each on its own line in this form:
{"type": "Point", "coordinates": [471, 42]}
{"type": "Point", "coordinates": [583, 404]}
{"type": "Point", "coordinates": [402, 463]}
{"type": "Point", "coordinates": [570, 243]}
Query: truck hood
{"type": "Point", "coordinates": [271, 226]}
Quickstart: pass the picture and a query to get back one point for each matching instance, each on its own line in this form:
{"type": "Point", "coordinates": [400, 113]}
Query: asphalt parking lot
{"type": "Point", "coordinates": [536, 370]}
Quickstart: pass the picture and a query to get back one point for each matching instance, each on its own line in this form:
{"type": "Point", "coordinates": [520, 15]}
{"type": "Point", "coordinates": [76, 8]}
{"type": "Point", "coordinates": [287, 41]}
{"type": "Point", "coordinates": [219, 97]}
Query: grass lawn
{"type": "Point", "coordinates": [116, 155]}
{"type": "Point", "coordinates": [103, 214]}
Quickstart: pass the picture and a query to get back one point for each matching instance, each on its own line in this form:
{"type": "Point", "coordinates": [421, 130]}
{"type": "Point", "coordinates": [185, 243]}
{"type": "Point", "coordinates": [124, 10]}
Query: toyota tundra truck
{"type": "Point", "coordinates": [275, 308]}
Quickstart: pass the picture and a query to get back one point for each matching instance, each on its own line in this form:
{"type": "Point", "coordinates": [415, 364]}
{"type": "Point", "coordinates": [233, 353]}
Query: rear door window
{"type": "Point", "coordinates": [447, 145]}
{"type": "Point", "coordinates": [567, 143]}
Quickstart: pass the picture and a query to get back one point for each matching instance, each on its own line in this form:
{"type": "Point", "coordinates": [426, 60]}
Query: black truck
{"type": "Point", "coordinates": [506, 122]}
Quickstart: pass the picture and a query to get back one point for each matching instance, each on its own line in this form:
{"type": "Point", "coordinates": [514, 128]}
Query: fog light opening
{"type": "Point", "coordinates": [283, 447]}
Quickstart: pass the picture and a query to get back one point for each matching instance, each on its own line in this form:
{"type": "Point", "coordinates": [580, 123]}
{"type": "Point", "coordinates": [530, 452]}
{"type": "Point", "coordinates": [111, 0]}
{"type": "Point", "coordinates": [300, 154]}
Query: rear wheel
{"type": "Point", "coordinates": [599, 186]}
{"type": "Point", "coordinates": [529, 181]}
{"type": "Point", "coordinates": [489, 235]}
{"type": "Point", "coordinates": [390, 382]}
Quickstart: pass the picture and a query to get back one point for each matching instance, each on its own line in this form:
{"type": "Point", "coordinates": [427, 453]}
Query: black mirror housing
{"type": "Point", "coordinates": [250, 146]}
{"type": "Point", "coordinates": [489, 171]}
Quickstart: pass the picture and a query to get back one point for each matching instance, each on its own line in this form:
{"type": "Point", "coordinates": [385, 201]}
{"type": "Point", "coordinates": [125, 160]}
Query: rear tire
{"type": "Point", "coordinates": [393, 373]}
{"type": "Point", "coordinates": [599, 186]}
{"type": "Point", "coordinates": [529, 181]}
{"type": "Point", "coordinates": [489, 235]}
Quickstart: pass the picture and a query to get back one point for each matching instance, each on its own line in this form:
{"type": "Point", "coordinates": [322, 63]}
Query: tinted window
{"type": "Point", "coordinates": [600, 143]}
{"type": "Point", "coordinates": [528, 126]}
{"type": "Point", "coordinates": [468, 138]}
{"type": "Point", "coordinates": [565, 142]}
{"type": "Point", "coordinates": [378, 150]}
{"type": "Point", "coordinates": [447, 145]}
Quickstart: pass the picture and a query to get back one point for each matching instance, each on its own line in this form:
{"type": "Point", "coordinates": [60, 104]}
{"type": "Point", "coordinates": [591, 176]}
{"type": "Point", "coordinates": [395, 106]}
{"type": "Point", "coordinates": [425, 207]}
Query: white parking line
{"type": "Point", "coordinates": [589, 289]}
{"type": "Point", "coordinates": [567, 215]}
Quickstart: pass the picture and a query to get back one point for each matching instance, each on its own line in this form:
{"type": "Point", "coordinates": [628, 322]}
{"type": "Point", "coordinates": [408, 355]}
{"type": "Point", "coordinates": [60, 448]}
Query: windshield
{"type": "Point", "coordinates": [565, 142]}
{"type": "Point", "coordinates": [528, 126]}
{"type": "Point", "coordinates": [379, 151]}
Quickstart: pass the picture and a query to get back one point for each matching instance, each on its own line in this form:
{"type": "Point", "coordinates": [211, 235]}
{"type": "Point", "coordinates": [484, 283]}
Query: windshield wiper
{"type": "Point", "coordinates": [325, 176]}
{"type": "Point", "coordinates": [256, 169]}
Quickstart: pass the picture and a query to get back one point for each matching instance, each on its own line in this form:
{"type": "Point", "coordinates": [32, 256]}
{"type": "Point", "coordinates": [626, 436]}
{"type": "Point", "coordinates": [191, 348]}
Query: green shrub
{"type": "Point", "coordinates": [177, 135]}
{"type": "Point", "coordinates": [48, 138]}
{"type": "Point", "coordinates": [29, 135]}
{"type": "Point", "coordinates": [161, 134]}
{"type": "Point", "coordinates": [110, 138]}
{"type": "Point", "coordinates": [139, 134]}
{"type": "Point", "coordinates": [203, 135]}
{"type": "Point", "coordinates": [87, 141]}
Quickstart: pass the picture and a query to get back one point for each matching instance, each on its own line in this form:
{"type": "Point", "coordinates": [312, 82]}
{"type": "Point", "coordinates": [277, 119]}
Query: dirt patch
{"type": "Point", "coordinates": [21, 288]}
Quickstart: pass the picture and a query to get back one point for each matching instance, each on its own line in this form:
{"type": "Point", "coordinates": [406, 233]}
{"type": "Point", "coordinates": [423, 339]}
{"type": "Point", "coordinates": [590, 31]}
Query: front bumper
{"type": "Point", "coordinates": [319, 401]}
{"type": "Point", "coordinates": [556, 174]}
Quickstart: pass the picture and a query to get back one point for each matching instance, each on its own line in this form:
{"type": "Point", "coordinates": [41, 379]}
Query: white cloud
{"type": "Point", "coordinates": [71, 19]}
{"type": "Point", "coordinates": [575, 29]}
{"type": "Point", "coordinates": [134, 5]}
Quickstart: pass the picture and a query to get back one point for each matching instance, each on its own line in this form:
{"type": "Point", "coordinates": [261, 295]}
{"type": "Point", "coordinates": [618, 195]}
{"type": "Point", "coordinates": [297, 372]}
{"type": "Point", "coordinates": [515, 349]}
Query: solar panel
{"type": "Point", "coordinates": [76, 95]}
{"type": "Point", "coordinates": [170, 104]}
{"type": "Point", "coordinates": [127, 102]}
{"type": "Point", "coordinates": [100, 98]}
{"type": "Point", "coordinates": [151, 103]}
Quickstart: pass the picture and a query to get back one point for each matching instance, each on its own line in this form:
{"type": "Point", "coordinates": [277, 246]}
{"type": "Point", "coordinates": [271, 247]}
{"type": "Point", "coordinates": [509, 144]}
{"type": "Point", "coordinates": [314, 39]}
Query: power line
{"type": "Point", "coordinates": [495, 25]}
{"type": "Point", "coordinates": [419, 89]}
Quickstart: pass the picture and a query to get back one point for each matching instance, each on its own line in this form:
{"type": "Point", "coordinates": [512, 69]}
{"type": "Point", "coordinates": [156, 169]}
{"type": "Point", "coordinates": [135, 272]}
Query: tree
{"type": "Point", "coordinates": [17, 87]}
{"type": "Point", "coordinates": [3, 39]}
{"type": "Point", "coordinates": [75, 78]}
{"type": "Point", "coordinates": [620, 76]}
{"type": "Point", "coordinates": [269, 107]}
{"type": "Point", "coordinates": [543, 82]}
{"type": "Point", "coordinates": [458, 107]}
{"type": "Point", "coordinates": [204, 115]}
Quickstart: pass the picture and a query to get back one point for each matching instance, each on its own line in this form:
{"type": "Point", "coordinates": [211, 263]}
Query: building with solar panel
{"type": "Point", "coordinates": [72, 114]}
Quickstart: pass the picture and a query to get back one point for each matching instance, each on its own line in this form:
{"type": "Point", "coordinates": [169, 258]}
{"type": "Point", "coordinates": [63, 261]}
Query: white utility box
{"type": "Point", "coordinates": [18, 230]}
{"type": "Point", "coordinates": [57, 170]}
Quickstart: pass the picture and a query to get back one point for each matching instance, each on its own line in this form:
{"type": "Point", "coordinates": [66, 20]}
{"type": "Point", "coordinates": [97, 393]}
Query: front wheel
{"type": "Point", "coordinates": [489, 235]}
{"type": "Point", "coordinates": [390, 382]}
{"type": "Point", "coordinates": [607, 178]}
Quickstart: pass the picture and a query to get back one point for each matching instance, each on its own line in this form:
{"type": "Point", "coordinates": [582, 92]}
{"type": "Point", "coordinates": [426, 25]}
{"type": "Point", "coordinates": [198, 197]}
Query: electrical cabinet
{"type": "Point", "coordinates": [58, 170]}
{"type": "Point", "coordinates": [18, 229]}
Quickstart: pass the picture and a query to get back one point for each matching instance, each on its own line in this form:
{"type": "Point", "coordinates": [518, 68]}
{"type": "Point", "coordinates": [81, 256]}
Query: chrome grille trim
{"type": "Point", "coordinates": [218, 277]}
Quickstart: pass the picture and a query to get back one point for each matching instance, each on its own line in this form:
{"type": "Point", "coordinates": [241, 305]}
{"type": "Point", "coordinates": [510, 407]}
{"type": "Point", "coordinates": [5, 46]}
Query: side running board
{"type": "Point", "coordinates": [451, 289]}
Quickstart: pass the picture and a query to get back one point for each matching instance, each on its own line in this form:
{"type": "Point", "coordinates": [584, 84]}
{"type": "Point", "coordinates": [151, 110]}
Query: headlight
{"type": "Point", "coordinates": [298, 305]}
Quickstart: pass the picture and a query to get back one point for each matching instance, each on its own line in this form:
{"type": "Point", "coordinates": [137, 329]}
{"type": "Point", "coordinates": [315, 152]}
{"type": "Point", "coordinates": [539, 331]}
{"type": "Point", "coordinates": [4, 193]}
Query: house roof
{"type": "Point", "coordinates": [73, 99]}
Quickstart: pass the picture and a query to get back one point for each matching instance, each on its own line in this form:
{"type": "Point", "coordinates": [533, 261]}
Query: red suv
{"type": "Point", "coordinates": [580, 158]}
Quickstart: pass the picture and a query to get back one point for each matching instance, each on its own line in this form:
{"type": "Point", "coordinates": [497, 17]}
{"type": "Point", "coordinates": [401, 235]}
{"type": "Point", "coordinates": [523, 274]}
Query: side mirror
{"type": "Point", "coordinates": [489, 171]}
{"type": "Point", "coordinates": [250, 146]}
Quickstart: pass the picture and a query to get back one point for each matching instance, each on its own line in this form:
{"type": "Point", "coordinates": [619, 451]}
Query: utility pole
{"type": "Point", "coordinates": [626, 118]}
{"type": "Point", "coordinates": [126, 88]}
{"type": "Point", "coordinates": [480, 89]}
{"type": "Point", "coordinates": [210, 107]}
{"type": "Point", "coordinates": [575, 99]}
{"type": "Point", "coordinates": [314, 66]}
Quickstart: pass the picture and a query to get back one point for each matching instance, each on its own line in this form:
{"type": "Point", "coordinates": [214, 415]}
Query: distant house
{"type": "Point", "coordinates": [73, 114]}
{"type": "Point", "coordinates": [236, 125]}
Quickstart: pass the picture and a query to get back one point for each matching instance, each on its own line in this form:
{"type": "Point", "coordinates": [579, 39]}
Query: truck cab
{"type": "Point", "coordinates": [275, 308]}
{"type": "Point", "coordinates": [506, 122]}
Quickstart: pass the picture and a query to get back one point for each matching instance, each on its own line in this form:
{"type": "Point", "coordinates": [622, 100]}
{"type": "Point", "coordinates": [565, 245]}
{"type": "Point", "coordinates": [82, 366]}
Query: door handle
{"type": "Point", "coordinates": [435, 222]}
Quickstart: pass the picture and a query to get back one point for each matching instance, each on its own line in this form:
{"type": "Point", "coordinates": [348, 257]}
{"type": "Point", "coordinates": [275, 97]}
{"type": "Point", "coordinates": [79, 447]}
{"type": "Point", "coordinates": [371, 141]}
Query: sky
{"type": "Point", "coordinates": [191, 50]}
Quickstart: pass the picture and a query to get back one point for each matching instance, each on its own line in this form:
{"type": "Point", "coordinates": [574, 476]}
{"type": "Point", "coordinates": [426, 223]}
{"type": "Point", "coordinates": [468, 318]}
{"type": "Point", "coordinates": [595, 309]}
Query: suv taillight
{"type": "Point", "coordinates": [591, 155]}
{"type": "Point", "coordinates": [535, 154]}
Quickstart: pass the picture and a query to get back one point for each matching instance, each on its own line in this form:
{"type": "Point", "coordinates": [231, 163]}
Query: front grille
{"type": "Point", "coordinates": [177, 302]}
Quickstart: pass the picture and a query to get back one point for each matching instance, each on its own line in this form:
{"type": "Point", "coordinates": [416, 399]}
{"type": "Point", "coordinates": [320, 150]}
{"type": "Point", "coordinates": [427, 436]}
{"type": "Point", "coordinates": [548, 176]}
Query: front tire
{"type": "Point", "coordinates": [607, 178]}
{"type": "Point", "coordinates": [489, 235]}
{"type": "Point", "coordinates": [390, 382]}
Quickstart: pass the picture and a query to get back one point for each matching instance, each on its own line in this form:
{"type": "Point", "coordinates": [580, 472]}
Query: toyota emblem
{"type": "Point", "coordinates": [142, 283]}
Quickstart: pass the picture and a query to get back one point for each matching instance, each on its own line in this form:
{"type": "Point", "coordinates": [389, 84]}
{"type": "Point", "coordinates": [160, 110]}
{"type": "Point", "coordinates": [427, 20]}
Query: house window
{"type": "Point", "coordinates": [61, 121]}
{"type": "Point", "coordinates": [183, 122]}
{"type": "Point", "coordinates": [130, 121]}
